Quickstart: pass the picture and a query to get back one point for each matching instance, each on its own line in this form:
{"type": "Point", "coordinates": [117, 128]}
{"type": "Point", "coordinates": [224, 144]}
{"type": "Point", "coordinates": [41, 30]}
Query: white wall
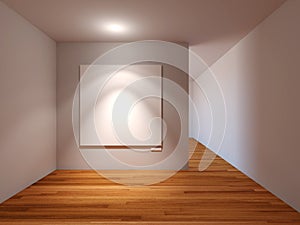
{"type": "Point", "coordinates": [260, 80]}
{"type": "Point", "coordinates": [27, 97]}
{"type": "Point", "coordinates": [69, 57]}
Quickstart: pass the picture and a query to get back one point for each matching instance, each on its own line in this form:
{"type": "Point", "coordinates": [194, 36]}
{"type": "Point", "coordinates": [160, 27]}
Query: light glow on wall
{"type": "Point", "coordinates": [115, 27]}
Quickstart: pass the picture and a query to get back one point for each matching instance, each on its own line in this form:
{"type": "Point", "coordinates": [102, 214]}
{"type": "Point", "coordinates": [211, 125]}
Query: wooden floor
{"type": "Point", "coordinates": [219, 195]}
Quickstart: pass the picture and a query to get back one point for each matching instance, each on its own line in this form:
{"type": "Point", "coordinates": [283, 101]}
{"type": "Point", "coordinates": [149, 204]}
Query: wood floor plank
{"type": "Point", "coordinates": [219, 195]}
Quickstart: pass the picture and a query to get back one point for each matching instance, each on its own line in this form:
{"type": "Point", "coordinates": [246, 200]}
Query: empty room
{"type": "Point", "coordinates": [149, 112]}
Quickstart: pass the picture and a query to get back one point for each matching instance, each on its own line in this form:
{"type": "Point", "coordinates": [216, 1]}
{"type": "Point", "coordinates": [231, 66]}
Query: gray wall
{"type": "Point", "coordinates": [27, 96]}
{"type": "Point", "coordinates": [69, 57]}
{"type": "Point", "coordinates": [260, 80]}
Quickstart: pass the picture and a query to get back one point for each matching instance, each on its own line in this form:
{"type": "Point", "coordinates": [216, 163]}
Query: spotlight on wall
{"type": "Point", "coordinates": [114, 27]}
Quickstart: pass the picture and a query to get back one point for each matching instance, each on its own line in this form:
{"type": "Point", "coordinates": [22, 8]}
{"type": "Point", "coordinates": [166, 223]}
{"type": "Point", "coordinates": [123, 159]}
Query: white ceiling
{"type": "Point", "coordinates": [192, 21]}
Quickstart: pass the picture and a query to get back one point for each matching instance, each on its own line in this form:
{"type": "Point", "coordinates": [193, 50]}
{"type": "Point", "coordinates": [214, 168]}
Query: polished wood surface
{"type": "Point", "coordinates": [219, 195]}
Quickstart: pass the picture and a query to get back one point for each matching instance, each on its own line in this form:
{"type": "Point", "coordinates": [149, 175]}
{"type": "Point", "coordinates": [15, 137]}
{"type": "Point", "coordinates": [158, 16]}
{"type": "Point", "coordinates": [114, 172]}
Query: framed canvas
{"type": "Point", "coordinates": [122, 108]}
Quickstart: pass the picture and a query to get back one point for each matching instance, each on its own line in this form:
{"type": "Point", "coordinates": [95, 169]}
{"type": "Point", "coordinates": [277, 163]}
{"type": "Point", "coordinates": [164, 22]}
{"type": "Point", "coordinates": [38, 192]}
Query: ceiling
{"type": "Point", "coordinates": [193, 21]}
